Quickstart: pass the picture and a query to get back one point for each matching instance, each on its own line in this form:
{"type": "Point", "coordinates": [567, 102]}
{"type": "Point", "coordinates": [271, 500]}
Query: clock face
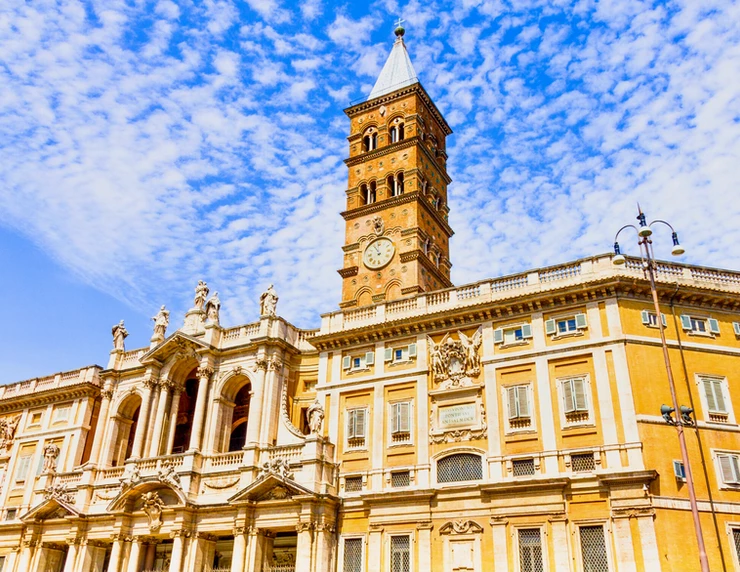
{"type": "Point", "coordinates": [378, 253]}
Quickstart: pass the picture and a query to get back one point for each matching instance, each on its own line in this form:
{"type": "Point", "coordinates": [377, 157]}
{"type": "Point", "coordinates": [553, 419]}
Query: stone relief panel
{"type": "Point", "coordinates": [455, 362]}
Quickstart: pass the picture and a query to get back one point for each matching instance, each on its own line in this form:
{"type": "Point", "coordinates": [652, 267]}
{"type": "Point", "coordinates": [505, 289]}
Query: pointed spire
{"type": "Point", "coordinates": [398, 71]}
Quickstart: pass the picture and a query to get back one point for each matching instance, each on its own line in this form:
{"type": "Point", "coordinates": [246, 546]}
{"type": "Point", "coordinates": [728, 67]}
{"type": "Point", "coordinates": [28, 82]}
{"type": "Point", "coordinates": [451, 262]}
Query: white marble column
{"type": "Point", "coordinates": [69, 560]}
{"type": "Point", "coordinates": [254, 551]}
{"type": "Point", "coordinates": [141, 428]}
{"type": "Point", "coordinates": [174, 410]}
{"type": "Point", "coordinates": [239, 551]}
{"type": "Point", "coordinates": [178, 546]}
{"type": "Point", "coordinates": [102, 424]}
{"type": "Point", "coordinates": [271, 401]}
{"type": "Point", "coordinates": [204, 376]}
{"type": "Point", "coordinates": [134, 555]}
{"type": "Point", "coordinates": [158, 428]}
{"type": "Point", "coordinates": [500, 545]}
{"type": "Point", "coordinates": [648, 541]}
{"type": "Point", "coordinates": [28, 547]}
{"type": "Point", "coordinates": [304, 548]}
{"type": "Point", "coordinates": [254, 421]}
{"type": "Point", "coordinates": [560, 544]}
{"type": "Point", "coordinates": [114, 564]}
{"type": "Point", "coordinates": [375, 548]}
{"type": "Point", "coordinates": [325, 545]}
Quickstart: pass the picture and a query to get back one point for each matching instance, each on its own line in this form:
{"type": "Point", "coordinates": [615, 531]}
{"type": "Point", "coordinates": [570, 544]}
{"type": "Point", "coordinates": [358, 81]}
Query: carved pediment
{"type": "Point", "coordinates": [177, 344]}
{"type": "Point", "coordinates": [461, 526]}
{"type": "Point", "coordinates": [130, 497]}
{"type": "Point", "coordinates": [270, 486]}
{"type": "Point", "coordinates": [51, 508]}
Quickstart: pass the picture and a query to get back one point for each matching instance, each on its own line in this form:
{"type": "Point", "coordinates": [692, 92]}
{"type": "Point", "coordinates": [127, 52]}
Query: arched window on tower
{"type": "Point", "coordinates": [395, 184]}
{"type": "Point", "coordinates": [363, 194]}
{"type": "Point", "coordinates": [372, 194]}
{"type": "Point", "coordinates": [370, 139]}
{"type": "Point", "coordinates": [399, 184]}
{"type": "Point", "coordinates": [396, 131]}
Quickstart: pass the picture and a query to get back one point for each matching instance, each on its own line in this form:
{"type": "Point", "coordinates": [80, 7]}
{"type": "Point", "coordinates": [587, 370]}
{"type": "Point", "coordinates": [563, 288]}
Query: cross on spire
{"type": "Point", "coordinates": [399, 22]}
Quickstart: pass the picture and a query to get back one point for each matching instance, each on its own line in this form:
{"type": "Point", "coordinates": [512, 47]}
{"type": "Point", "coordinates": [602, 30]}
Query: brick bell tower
{"type": "Point", "coordinates": [397, 235]}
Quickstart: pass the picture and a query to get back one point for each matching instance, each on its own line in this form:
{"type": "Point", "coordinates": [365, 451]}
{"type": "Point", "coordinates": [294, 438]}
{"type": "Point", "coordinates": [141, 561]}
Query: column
{"type": "Point", "coordinates": [151, 553]}
{"type": "Point", "coordinates": [623, 542]}
{"type": "Point", "coordinates": [204, 375]}
{"type": "Point", "coordinates": [134, 555]}
{"type": "Point", "coordinates": [500, 544]}
{"type": "Point", "coordinates": [141, 428]}
{"type": "Point", "coordinates": [153, 406]}
{"type": "Point", "coordinates": [304, 545]}
{"type": "Point", "coordinates": [255, 404]}
{"type": "Point", "coordinates": [102, 425]}
{"type": "Point", "coordinates": [559, 534]}
{"type": "Point", "coordinates": [648, 541]}
{"type": "Point", "coordinates": [174, 410]}
{"type": "Point", "coordinates": [69, 561]}
{"type": "Point", "coordinates": [254, 551]}
{"type": "Point", "coordinates": [271, 401]}
{"type": "Point", "coordinates": [375, 547]}
{"type": "Point", "coordinates": [114, 563]}
{"type": "Point", "coordinates": [11, 559]}
{"type": "Point", "coordinates": [158, 428]}
{"type": "Point", "coordinates": [424, 535]}
{"type": "Point", "coordinates": [27, 550]}
{"type": "Point", "coordinates": [178, 540]}
{"type": "Point", "coordinates": [325, 535]}
{"type": "Point", "coordinates": [240, 550]}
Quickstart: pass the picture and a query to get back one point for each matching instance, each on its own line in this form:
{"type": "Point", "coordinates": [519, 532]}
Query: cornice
{"type": "Point", "coordinates": [67, 392]}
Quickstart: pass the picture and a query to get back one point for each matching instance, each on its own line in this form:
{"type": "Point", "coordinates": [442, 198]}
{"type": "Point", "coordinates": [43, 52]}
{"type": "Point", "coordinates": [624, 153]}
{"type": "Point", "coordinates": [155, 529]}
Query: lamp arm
{"type": "Point", "coordinates": [663, 222]}
{"type": "Point", "coordinates": [632, 226]}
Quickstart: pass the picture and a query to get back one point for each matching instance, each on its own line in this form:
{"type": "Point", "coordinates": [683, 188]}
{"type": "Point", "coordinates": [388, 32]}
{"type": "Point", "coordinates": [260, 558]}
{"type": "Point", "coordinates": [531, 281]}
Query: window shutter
{"type": "Point", "coordinates": [351, 424]}
{"type": "Point", "coordinates": [388, 354]}
{"type": "Point", "coordinates": [709, 393]}
{"type": "Point", "coordinates": [580, 321]}
{"type": "Point", "coordinates": [346, 362]}
{"type": "Point", "coordinates": [685, 322]}
{"type": "Point", "coordinates": [728, 466]}
{"type": "Point", "coordinates": [663, 320]}
{"type": "Point", "coordinates": [412, 350]}
{"type": "Point", "coordinates": [549, 327]}
{"type": "Point", "coordinates": [678, 470]}
{"type": "Point", "coordinates": [736, 327]}
{"type": "Point", "coordinates": [526, 331]}
{"type": "Point", "coordinates": [719, 397]}
{"type": "Point", "coordinates": [568, 396]}
{"type": "Point", "coordinates": [359, 423]}
{"type": "Point", "coordinates": [394, 417]}
{"type": "Point", "coordinates": [579, 387]}
{"type": "Point", "coordinates": [498, 336]}
{"type": "Point", "coordinates": [369, 358]}
{"type": "Point", "coordinates": [403, 414]}
{"type": "Point", "coordinates": [713, 326]}
{"type": "Point", "coordinates": [523, 399]}
{"type": "Point", "coordinates": [511, 398]}
{"type": "Point", "coordinates": [645, 317]}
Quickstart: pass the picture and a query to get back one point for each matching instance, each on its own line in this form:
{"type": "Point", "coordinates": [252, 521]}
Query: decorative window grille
{"type": "Point", "coordinates": [400, 479]}
{"type": "Point", "coordinates": [593, 549]}
{"type": "Point", "coordinates": [352, 561]}
{"type": "Point", "coordinates": [400, 554]}
{"type": "Point", "coordinates": [583, 462]}
{"type": "Point", "coordinates": [575, 400]}
{"type": "Point", "coordinates": [714, 393]}
{"type": "Point", "coordinates": [736, 539]}
{"type": "Point", "coordinates": [517, 397]}
{"type": "Point", "coordinates": [356, 420]}
{"type": "Point", "coordinates": [522, 467]}
{"type": "Point", "coordinates": [353, 484]}
{"type": "Point", "coordinates": [729, 468]}
{"type": "Point", "coordinates": [530, 550]}
{"type": "Point", "coordinates": [459, 467]}
{"type": "Point", "coordinates": [401, 422]}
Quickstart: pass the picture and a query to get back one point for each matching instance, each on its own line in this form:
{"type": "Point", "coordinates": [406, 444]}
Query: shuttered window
{"type": "Point", "coordinates": [564, 326]}
{"type": "Point", "coordinates": [575, 399]}
{"type": "Point", "coordinates": [714, 393]}
{"type": "Point", "coordinates": [518, 398]}
{"type": "Point", "coordinates": [401, 421]}
{"type": "Point", "coordinates": [729, 468]}
{"type": "Point", "coordinates": [356, 421]}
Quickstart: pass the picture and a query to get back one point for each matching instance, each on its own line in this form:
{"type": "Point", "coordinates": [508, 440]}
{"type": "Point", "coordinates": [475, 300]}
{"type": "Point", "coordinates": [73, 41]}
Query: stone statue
{"type": "Point", "coordinates": [201, 293]}
{"type": "Point", "coordinates": [161, 321]}
{"type": "Point", "coordinates": [119, 334]}
{"type": "Point", "coordinates": [455, 362]}
{"type": "Point", "coordinates": [268, 302]}
{"type": "Point", "coordinates": [315, 415]}
{"type": "Point", "coordinates": [167, 474]}
{"type": "Point", "coordinates": [7, 431]}
{"type": "Point", "coordinates": [153, 506]}
{"type": "Point", "coordinates": [212, 308]}
{"type": "Point", "coordinates": [132, 478]}
{"type": "Point", "coordinates": [51, 452]}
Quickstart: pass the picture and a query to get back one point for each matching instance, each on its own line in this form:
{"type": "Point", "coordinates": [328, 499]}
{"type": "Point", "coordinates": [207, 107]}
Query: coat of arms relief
{"type": "Point", "coordinates": [455, 362]}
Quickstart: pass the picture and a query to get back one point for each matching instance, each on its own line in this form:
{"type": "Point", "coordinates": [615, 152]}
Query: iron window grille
{"type": "Point", "coordinates": [353, 484]}
{"type": "Point", "coordinates": [583, 462]}
{"type": "Point", "coordinates": [593, 549]}
{"type": "Point", "coordinates": [522, 467]}
{"type": "Point", "coordinates": [400, 553]}
{"type": "Point", "coordinates": [459, 467]}
{"type": "Point", "coordinates": [530, 550]}
{"type": "Point", "coordinates": [352, 560]}
{"type": "Point", "coordinates": [400, 479]}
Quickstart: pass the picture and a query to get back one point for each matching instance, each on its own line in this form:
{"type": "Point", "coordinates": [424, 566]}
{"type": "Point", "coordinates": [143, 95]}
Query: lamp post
{"type": "Point", "coordinates": [644, 231]}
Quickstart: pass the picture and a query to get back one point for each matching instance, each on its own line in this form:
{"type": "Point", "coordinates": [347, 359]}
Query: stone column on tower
{"type": "Point", "coordinates": [150, 383]}
{"type": "Point", "coordinates": [204, 374]}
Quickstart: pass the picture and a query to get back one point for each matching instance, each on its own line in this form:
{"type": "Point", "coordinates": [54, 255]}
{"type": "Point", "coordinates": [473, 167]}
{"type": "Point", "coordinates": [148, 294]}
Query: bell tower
{"type": "Point", "coordinates": [397, 232]}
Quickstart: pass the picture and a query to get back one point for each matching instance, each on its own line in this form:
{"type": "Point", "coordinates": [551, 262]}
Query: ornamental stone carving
{"type": "Point", "coordinates": [278, 492]}
{"type": "Point", "coordinates": [161, 321]}
{"type": "Point", "coordinates": [153, 507]}
{"type": "Point", "coordinates": [204, 371]}
{"type": "Point", "coordinates": [461, 526]}
{"type": "Point", "coordinates": [166, 473]}
{"type": "Point", "coordinates": [315, 417]}
{"type": "Point", "coordinates": [455, 362]}
{"type": "Point", "coordinates": [51, 453]}
{"type": "Point", "coordinates": [213, 307]}
{"type": "Point", "coordinates": [279, 467]}
{"type": "Point", "coordinates": [8, 427]}
{"type": "Point", "coordinates": [268, 302]}
{"type": "Point", "coordinates": [119, 335]}
{"type": "Point", "coordinates": [58, 491]}
{"type": "Point", "coordinates": [201, 293]}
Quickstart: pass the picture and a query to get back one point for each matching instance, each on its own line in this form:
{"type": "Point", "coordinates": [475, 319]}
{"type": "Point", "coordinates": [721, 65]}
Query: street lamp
{"type": "Point", "coordinates": [644, 231]}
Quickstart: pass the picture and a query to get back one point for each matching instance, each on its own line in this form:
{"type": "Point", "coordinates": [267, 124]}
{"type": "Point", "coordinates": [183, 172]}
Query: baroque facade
{"type": "Point", "coordinates": [510, 424]}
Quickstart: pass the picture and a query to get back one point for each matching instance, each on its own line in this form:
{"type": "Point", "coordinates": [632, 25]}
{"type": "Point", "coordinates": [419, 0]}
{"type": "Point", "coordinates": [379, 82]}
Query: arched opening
{"type": "Point", "coordinates": [364, 298]}
{"type": "Point", "coordinates": [393, 291]}
{"type": "Point", "coordinates": [372, 193]}
{"type": "Point", "coordinates": [185, 413]}
{"type": "Point", "coordinates": [396, 131]}
{"type": "Point", "coordinates": [123, 432]}
{"type": "Point", "coordinates": [370, 140]}
{"type": "Point", "coordinates": [399, 184]}
{"type": "Point", "coordinates": [363, 194]}
{"type": "Point", "coordinates": [238, 435]}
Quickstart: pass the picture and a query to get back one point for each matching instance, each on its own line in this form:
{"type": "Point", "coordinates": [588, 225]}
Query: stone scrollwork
{"type": "Point", "coordinates": [260, 364]}
{"type": "Point", "coordinates": [461, 526]}
{"type": "Point", "coordinates": [278, 492]}
{"type": "Point", "coordinates": [204, 371]}
{"type": "Point", "coordinates": [59, 491]}
{"type": "Point", "coordinates": [168, 475]}
{"type": "Point", "coordinates": [279, 467]}
{"type": "Point", "coordinates": [455, 362]}
{"type": "Point", "coordinates": [153, 507]}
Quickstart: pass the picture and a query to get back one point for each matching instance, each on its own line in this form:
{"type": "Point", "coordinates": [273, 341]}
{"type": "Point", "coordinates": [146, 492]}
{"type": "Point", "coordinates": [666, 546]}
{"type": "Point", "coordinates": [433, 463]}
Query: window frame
{"type": "Point", "coordinates": [607, 542]}
{"type": "Point", "coordinates": [55, 417]}
{"type": "Point", "coordinates": [715, 415]}
{"type": "Point", "coordinates": [401, 534]}
{"type": "Point", "coordinates": [679, 471]}
{"type": "Point", "coordinates": [730, 527]}
{"type": "Point", "coordinates": [451, 453]}
{"type": "Point", "coordinates": [717, 456]}
{"type": "Point", "coordinates": [552, 328]}
{"type": "Point", "coordinates": [543, 545]}
{"type": "Point", "coordinates": [409, 353]}
{"type": "Point", "coordinates": [365, 361]}
{"type": "Point", "coordinates": [363, 543]}
{"type": "Point", "coordinates": [500, 335]}
{"type": "Point", "coordinates": [650, 319]}
{"type": "Point", "coordinates": [350, 413]}
{"type": "Point", "coordinates": [576, 417]}
{"type": "Point", "coordinates": [28, 459]}
{"type": "Point", "coordinates": [689, 322]}
{"type": "Point", "coordinates": [393, 415]}
{"type": "Point", "coordinates": [510, 422]}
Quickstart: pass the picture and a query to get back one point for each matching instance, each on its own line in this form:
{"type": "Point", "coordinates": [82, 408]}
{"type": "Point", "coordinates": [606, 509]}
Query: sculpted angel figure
{"type": "Point", "coordinates": [201, 293]}
{"type": "Point", "coordinates": [119, 334]}
{"type": "Point", "coordinates": [315, 416]}
{"type": "Point", "coordinates": [213, 306]}
{"type": "Point", "coordinates": [161, 321]}
{"type": "Point", "coordinates": [472, 360]}
{"type": "Point", "coordinates": [438, 366]}
{"type": "Point", "coordinates": [268, 302]}
{"type": "Point", "coordinates": [7, 431]}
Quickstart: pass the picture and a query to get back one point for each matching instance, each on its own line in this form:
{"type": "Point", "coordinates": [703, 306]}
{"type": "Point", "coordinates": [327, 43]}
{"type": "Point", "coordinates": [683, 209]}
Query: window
{"type": "Point", "coordinates": [566, 326]}
{"type": "Point", "coordinates": [401, 422]}
{"type": "Point", "coordinates": [356, 419]}
{"type": "Point", "coordinates": [699, 325]}
{"type": "Point", "coordinates": [400, 479]}
{"type": "Point", "coordinates": [736, 328]}
{"type": "Point", "coordinates": [21, 471]}
{"type": "Point", "coordinates": [459, 468]}
{"type": "Point", "coordinates": [530, 550]}
{"type": "Point", "coordinates": [593, 549]}
{"type": "Point", "coordinates": [679, 471]}
{"type": "Point", "coordinates": [370, 140]}
{"type": "Point", "coordinates": [353, 484]}
{"type": "Point", "coordinates": [522, 467]}
{"type": "Point", "coordinates": [396, 131]}
{"type": "Point", "coordinates": [352, 559]}
{"type": "Point", "coordinates": [10, 515]}
{"type": "Point", "coordinates": [583, 462]}
{"type": "Point", "coordinates": [729, 468]}
{"type": "Point", "coordinates": [395, 185]}
{"type": "Point", "coordinates": [401, 553]}
{"type": "Point", "coordinates": [575, 399]}
{"type": "Point", "coordinates": [651, 320]}
{"type": "Point", "coordinates": [517, 398]}
{"type": "Point", "coordinates": [715, 398]}
{"type": "Point", "coordinates": [513, 335]}
{"type": "Point", "coordinates": [35, 418]}
{"type": "Point", "coordinates": [368, 193]}
{"type": "Point", "coordinates": [61, 414]}
{"type": "Point", "coordinates": [358, 363]}
{"type": "Point", "coordinates": [400, 355]}
{"type": "Point", "coordinates": [736, 541]}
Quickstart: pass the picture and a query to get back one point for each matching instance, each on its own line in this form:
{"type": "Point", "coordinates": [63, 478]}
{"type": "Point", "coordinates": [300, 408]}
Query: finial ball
{"type": "Point", "coordinates": [399, 31]}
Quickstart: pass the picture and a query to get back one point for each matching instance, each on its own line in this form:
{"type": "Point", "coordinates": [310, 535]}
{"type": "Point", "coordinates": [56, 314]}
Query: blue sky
{"type": "Point", "coordinates": [146, 145]}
